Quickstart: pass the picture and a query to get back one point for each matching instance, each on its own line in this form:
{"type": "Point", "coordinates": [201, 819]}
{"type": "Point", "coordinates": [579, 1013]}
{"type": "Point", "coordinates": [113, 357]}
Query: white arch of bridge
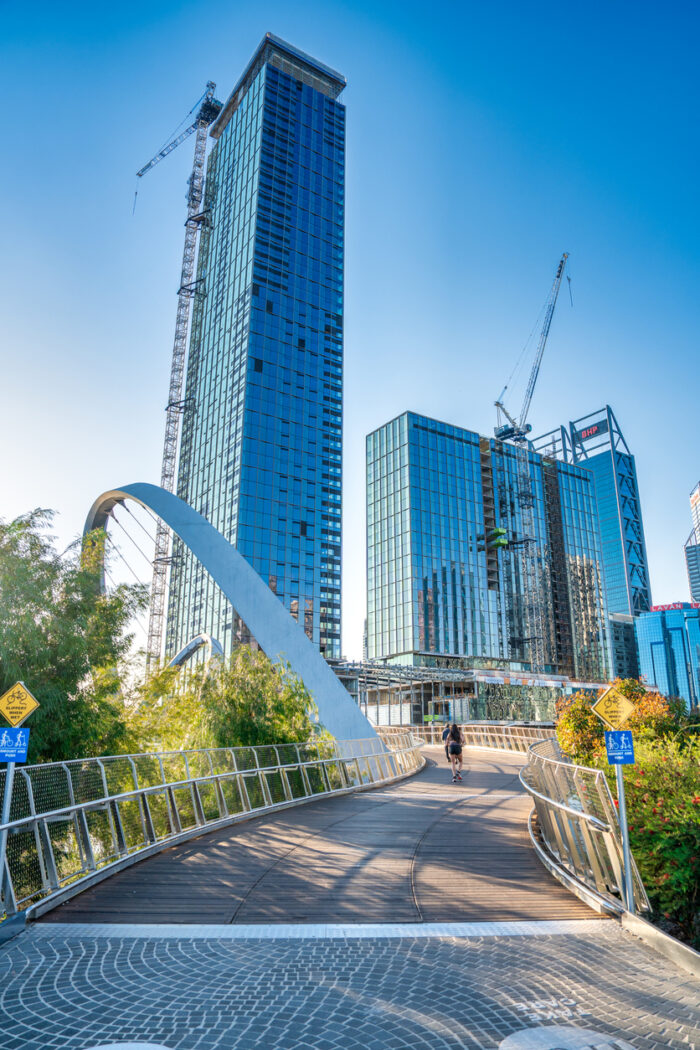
{"type": "Point", "coordinates": [275, 630]}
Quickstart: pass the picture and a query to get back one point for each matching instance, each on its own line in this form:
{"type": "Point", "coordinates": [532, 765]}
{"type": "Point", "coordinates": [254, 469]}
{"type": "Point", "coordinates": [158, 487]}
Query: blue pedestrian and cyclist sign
{"type": "Point", "coordinates": [13, 745]}
{"type": "Point", "coordinates": [619, 747]}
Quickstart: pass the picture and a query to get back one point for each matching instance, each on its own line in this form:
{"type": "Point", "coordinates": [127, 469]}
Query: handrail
{"type": "Point", "coordinates": [599, 825]}
{"type": "Point", "coordinates": [97, 803]}
{"type": "Point", "coordinates": [55, 851]}
{"type": "Point", "coordinates": [564, 831]}
{"type": "Point", "coordinates": [501, 736]}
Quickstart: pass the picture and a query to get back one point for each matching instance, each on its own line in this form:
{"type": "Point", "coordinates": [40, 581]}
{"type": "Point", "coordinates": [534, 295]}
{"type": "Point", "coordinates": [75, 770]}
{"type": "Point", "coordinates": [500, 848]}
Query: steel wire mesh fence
{"type": "Point", "coordinates": [69, 819]}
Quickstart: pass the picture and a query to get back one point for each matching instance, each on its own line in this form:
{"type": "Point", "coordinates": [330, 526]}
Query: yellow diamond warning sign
{"type": "Point", "coordinates": [613, 708]}
{"type": "Point", "coordinates": [17, 703]}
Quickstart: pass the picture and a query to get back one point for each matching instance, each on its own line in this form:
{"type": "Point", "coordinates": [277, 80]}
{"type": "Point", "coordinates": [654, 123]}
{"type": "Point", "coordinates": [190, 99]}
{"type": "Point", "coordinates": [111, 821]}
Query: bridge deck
{"type": "Point", "coordinates": [423, 850]}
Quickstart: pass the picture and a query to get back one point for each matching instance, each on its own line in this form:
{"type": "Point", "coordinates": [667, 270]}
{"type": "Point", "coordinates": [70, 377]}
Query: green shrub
{"type": "Point", "coordinates": [662, 790]}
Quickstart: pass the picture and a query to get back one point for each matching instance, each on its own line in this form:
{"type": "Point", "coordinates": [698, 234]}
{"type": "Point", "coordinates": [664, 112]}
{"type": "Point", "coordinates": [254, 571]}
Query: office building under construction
{"type": "Point", "coordinates": [482, 555]}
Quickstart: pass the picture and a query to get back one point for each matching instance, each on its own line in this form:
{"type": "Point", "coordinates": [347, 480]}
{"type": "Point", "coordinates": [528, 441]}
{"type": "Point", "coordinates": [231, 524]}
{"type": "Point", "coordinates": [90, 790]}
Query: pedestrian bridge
{"type": "Point", "coordinates": [421, 850]}
{"type": "Point", "coordinates": [292, 898]}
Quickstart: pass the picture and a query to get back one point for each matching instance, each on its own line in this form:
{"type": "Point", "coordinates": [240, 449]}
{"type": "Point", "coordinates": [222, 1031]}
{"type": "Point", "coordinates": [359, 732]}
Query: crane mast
{"type": "Point", "coordinates": [207, 113]}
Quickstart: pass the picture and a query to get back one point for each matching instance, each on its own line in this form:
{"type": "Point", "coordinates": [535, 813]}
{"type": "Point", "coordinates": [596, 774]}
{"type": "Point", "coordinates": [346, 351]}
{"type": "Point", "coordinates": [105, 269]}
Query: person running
{"type": "Point", "coordinates": [445, 734]}
{"type": "Point", "coordinates": [455, 741]}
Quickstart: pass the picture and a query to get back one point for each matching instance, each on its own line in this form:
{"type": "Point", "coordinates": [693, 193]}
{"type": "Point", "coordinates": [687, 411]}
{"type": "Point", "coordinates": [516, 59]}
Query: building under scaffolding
{"type": "Point", "coordinates": [392, 694]}
{"type": "Point", "coordinates": [482, 557]}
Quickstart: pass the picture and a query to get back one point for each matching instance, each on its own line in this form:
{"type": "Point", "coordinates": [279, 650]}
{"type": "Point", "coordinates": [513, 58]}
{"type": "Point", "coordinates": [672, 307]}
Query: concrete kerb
{"type": "Point", "coordinates": [34, 911]}
{"type": "Point", "coordinates": [11, 927]}
{"type": "Point", "coordinates": [680, 954]}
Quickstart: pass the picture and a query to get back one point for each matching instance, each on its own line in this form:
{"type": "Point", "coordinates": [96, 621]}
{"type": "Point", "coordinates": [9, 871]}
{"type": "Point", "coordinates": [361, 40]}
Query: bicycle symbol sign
{"type": "Point", "coordinates": [13, 745]}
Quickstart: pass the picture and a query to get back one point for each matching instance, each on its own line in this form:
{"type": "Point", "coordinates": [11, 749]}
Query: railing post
{"type": "Point", "coordinates": [110, 808]}
{"type": "Point", "coordinates": [86, 844]}
{"type": "Point", "coordinates": [197, 803]}
{"type": "Point", "coordinates": [35, 830]}
{"type": "Point", "coordinates": [243, 792]}
{"type": "Point", "coordinates": [305, 778]}
{"type": "Point", "coordinates": [285, 784]}
{"type": "Point", "coordinates": [50, 860]}
{"type": "Point", "coordinates": [120, 838]}
{"type": "Point", "coordinates": [148, 820]}
{"type": "Point", "coordinates": [175, 823]}
{"type": "Point", "coordinates": [262, 780]}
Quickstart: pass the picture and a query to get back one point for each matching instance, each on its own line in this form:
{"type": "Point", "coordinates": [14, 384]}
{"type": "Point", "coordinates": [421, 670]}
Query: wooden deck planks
{"type": "Point", "coordinates": [423, 850]}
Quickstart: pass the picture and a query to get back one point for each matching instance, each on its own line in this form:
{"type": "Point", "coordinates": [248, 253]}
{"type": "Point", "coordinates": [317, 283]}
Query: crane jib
{"type": "Point", "coordinates": [517, 431]}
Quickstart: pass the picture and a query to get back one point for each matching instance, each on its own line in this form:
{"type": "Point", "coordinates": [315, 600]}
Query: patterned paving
{"type": "Point", "coordinates": [64, 988]}
{"type": "Point", "coordinates": [415, 916]}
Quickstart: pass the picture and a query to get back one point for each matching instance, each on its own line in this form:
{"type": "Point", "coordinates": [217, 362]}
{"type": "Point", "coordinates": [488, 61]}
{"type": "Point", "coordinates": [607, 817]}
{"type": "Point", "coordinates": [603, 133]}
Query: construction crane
{"type": "Point", "coordinates": [517, 430]}
{"type": "Point", "coordinates": [208, 109]}
{"type": "Point", "coordinates": [522, 546]}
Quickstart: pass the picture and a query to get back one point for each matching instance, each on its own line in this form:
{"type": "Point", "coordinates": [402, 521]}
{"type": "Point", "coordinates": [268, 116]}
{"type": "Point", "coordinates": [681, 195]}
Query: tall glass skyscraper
{"type": "Point", "coordinates": [692, 546]}
{"type": "Point", "coordinates": [596, 442]}
{"type": "Point", "coordinates": [668, 637]}
{"type": "Point", "coordinates": [261, 452]}
{"type": "Point", "coordinates": [449, 548]}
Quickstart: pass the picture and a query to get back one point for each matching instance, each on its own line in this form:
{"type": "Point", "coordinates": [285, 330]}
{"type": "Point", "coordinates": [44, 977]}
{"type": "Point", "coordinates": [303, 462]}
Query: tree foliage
{"type": "Point", "coordinates": [662, 790]}
{"type": "Point", "coordinates": [65, 639]}
{"type": "Point", "coordinates": [580, 731]}
{"type": "Point", "coordinates": [242, 702]}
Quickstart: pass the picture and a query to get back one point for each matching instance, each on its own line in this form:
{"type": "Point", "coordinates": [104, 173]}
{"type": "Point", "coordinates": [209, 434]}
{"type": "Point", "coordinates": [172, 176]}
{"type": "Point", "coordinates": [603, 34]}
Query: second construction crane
{"type": "Point", "coordinates": [208, 109]}
{"type": "Point", "coordinates": [517, 430]}
{"type": "Point", "coordinates": [533, 588]}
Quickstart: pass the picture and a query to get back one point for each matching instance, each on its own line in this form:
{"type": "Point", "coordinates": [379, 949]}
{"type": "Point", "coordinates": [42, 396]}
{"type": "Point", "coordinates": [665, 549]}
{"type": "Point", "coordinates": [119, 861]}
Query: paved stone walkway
{"type": "Point", "coordinates": [63, 987]}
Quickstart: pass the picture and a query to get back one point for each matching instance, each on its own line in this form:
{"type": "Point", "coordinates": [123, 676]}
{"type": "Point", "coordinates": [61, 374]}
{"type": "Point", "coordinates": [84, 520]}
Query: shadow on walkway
{"type": "Point", "coordinates": [421, 850]}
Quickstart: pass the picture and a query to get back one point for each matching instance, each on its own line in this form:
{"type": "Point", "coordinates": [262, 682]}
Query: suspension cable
{"type": "Point", "coordinates": [140, 523]}
{"type": "Point", "coordinates": [131, 538]}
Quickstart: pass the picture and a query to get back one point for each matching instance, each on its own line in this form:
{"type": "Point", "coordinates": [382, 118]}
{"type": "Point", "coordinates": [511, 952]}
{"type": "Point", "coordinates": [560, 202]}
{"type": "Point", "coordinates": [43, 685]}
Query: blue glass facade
{"type": "Point", "coordinates": [692, 547]}
{"type": "Point", "coordinates": [596, 442]}
{"type": "Point", "coordinates": [261, 452]}
{"type": "Point", "coordinates": [668, 639]}
{"type": "Point", "coordinates": [692, 563]}
{"type": "Point", "coordinates": [447, 553]}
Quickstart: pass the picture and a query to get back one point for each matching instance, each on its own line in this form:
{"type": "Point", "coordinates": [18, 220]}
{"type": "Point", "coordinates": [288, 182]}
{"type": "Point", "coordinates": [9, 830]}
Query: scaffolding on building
{"type": "Point", "coordinates": [208, 111]}
{"type": "Point", "coordinates": [534, 591]}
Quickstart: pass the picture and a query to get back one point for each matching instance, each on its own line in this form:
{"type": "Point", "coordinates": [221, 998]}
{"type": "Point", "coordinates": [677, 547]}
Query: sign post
{"type": "Point", "coordinates": [613, 709]}
{"type": "Point", "coordinates": [15, 705]}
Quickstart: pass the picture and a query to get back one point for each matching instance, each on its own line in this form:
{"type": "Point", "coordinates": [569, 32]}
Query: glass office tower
{"type": "Point", "coordinates": [596, 442]}
{"type": "Point", "coordinates": [449, 547]}
{"type": "Point", "coordinates": [692, 546]}
{"type": "Point", "coordinates": [261, 453]}
{"type": "Point", "coordinates": [668, 638]}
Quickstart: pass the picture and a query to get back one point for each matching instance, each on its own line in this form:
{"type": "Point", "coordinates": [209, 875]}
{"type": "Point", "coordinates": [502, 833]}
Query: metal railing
{"type": "Point", "coordinates": [577, 826]}
{"type": "Point", "coordinates": [69, 820]}
{"type": "Point", "coordinates": [502, 736]}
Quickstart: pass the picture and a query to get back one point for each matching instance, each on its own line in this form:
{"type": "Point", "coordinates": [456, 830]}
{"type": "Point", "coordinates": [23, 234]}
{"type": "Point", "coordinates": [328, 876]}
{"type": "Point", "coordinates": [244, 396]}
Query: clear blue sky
{"type": "Point", "coordinates": [483, 140]}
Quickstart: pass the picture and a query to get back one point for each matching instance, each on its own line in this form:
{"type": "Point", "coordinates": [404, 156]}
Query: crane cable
{"type": "Point", "coordinates": [169, 138]}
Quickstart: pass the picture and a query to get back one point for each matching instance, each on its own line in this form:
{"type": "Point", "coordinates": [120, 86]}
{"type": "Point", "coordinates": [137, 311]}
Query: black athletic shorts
{"type": "Point", "coordinates": [455, 749]}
